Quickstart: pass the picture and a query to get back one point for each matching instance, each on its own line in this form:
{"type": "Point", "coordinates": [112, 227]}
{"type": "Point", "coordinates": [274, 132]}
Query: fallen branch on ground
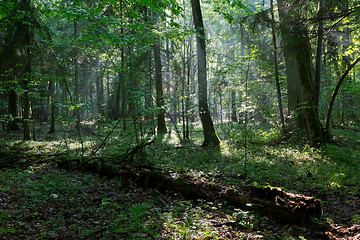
{"type": "Point", "coordinates": [274, 202]}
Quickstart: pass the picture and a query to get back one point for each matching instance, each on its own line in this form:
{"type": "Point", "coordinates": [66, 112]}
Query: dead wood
{"type": "Point", "coordinates": [18, 159]}
{"type": "Point", "coordinates": [274, 202]}
{"type": "Point", "coordinates": [270, 201]}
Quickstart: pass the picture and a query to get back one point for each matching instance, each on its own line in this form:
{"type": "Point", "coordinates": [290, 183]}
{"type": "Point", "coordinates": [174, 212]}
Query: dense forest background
{"type": "Point", "coordinates": [96, 62]}
{"type": "Point", "coordinates": [269, 89]}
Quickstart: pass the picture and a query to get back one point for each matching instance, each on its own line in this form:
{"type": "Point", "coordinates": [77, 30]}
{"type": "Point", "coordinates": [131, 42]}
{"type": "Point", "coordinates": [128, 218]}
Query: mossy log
{"type": "Point", "coordinates": [274, 202]}
{"type": "Point", "coordinates": [14, 159]}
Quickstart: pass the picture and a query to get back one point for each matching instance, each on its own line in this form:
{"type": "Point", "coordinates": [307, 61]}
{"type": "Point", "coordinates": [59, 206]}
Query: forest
{"type": "Point", "coordinates": [179, 119]}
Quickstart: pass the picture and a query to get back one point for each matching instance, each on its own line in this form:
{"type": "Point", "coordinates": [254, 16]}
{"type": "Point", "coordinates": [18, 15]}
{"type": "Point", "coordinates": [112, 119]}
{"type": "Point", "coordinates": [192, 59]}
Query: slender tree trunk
{"type": "Point", "coordinates": [123, 91]}
{"type": "Point", "coordinates": [12, 110]}
{"type": "Point", "coordinates": [76, 79]}
{"type": "Point", "coordinates": [336, 90]}
{"type": "Point", "coordinates": [187, 100]}
{"type": "Point", "coordinates": [26, 116]}
{"type": "Point", "coordinates": [2, 110]}
{"type": "Point", "coordinates": [76, 67]}
{"type": "Point", "coordinates": [107, 85]}
{"type": "Point", "coordinates": [99, 88]}
{"type": "Point", "coordinates": [148, 86]}
{"type": "Point", "coordinates": [233, 107]}
{"type": "Point", "coordinates": [101, 92]}
{"type": "Point", "coordinates": [221, 105]}
{"type": "Point", "coordinates": [277, 81]}
{"type": "Point", "coordinates": [320, 36]}
{"type": "Point", "coordinates": [52, 104]}
{"type": "Point", "coordinates": [183, 89]}
{"type": "Point", "coordinates": [161, 128]}
{"type": "Point", "coordinates": [124, 96]}
{"type": "Point", "coordinates": [161, 125]}
{"type": "Point", "coordinates": [99, 95]}
{"type": "Point", "coordinates": [27, 76]}
{"type": "Point", "coordinates": [210, 137]}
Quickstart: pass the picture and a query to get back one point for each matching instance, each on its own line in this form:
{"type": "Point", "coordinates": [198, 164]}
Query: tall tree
{"type": "Point", "coordinates": [10, 58]}
{"type": "Point", "coordinates": [298, 58]}
{"type": "Point", "coordinates": [76, 76]}
{"type": "Point", "coordinates": [318, 60]}
{"type": "Point", "coordinates": [336, 90]}
{"type": "Point", "coordinates": [277, 81]}
{"type": "Point", "coordinates": [27, 73]}
{"type": "Point", "coordinates": [161, 126]}
{"type": "Point", "coordinates": [210, 137]}
{"type": "Point", "coordinates": [52, 104]}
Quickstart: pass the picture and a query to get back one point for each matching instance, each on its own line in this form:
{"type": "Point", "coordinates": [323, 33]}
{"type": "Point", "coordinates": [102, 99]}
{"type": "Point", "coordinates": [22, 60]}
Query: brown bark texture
{"type": "Point", "coordinates": [210, 137]}
{"type": "Point", "coordinates": [274, 202]}
{"type": "Point", "coordinates": [297, 52]}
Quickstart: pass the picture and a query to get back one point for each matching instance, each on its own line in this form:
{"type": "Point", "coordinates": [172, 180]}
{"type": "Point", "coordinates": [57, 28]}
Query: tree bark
{"type": "Point", "coordinates": [233, 107]}
{"type": "Point", "coordinates": [161, 125]}
{"type": "Point", "coordinates": [12, 110]}
{"type": "Point", "coordinates": [274, 202]}
{"type": "Point", "coordinates": [297, 51]}
{"type": "Point", "coordinates": [336, 90]}
{"type": "Point", "coordinates": [210, 137]}
{"type": "Point", "coordinates": [187, 100]}
{"type": "Point", "coordinates": [27, 74]}
{"type": "Point", "coordinates": [277, 81]}
{"type": "Point", "coordinates": [123, 85]}
{"type": "Point", "coordinates": [99, 87]}
{"type": "Point", "coordinates": [76, 79]}
{"type": "Point", "coordinates": [161, 128]}
{"type": "Point", "coordinates": [148, 88]}
{"type": "Point", "coordinates": [320, 36]}
{"type": "Point", "coordinates": [52, 104]}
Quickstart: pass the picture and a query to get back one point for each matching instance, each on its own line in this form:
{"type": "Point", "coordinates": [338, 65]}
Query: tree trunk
{"type": "Point", "coordinates": [27, 75]}
{"type": "Point", "coordinates": [148, 88]}
{"type": "Point", "coordinates": [296, 119]}
{"type": "Point", "coordinates": [12, 110]}
{"type": "Point", "coordinates": [161, 125]}
{"type": "Point", "coordinates": [297, 51]}
{"type": "Point", "coordinates": [277, 81]}
{"type": "Point", "coordinates": [336, 90]}
{"type": "Point", "coordinates": [124, 95]}
{"type": "Point", "coordinates": [183, 89]}
{"type": "Point", "coordinates": [233, 107]}
{"type": "Point", "coordinates": [161, 128]}
{"type": "Point", "coordinates": [308, 108]}
{"type": "Point", "coordinates": [187, 100]}
{"type": "Point", "coordinates": [26, 116]}
{"type": "Point", "coordinates": [210, 137]}
{"type": "Point", "coordinates": [76, 80]}
{"type": "Point", "coordinates": [320, 36]}
{"type": "Point", "coordinates": [52, 104]}
{"type": "Point", "coordinates": [99, 88]}
{"type": "Point", "coordinates": [2, 110]}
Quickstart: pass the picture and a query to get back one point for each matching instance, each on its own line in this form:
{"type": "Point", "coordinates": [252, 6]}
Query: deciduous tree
{"type": "Point", "coordinates": [210, 137]}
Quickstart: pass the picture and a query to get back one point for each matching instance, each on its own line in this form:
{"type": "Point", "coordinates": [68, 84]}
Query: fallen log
{"type": "Point", "coordinates": [18, 159]}
{"type": "Point", "coordinates": [271, 201]}
{"type": "Point", "coordinates": [274, 202]}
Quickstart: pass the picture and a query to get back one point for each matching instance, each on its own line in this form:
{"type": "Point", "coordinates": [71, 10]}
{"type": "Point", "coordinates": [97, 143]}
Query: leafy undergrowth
{"type": "Point", "coordinates": [43, 202]}
{"type": "Point", "coordinates": [39, 201]}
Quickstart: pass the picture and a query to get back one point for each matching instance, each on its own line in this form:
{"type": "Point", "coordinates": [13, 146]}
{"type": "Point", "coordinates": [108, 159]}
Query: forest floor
{"type": "Point", "coordinates": [40, 201]}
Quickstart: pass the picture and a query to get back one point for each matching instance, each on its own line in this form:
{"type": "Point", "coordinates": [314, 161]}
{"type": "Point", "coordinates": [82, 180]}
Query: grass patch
{"type": "Point", "coordinates": [43, 202]}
